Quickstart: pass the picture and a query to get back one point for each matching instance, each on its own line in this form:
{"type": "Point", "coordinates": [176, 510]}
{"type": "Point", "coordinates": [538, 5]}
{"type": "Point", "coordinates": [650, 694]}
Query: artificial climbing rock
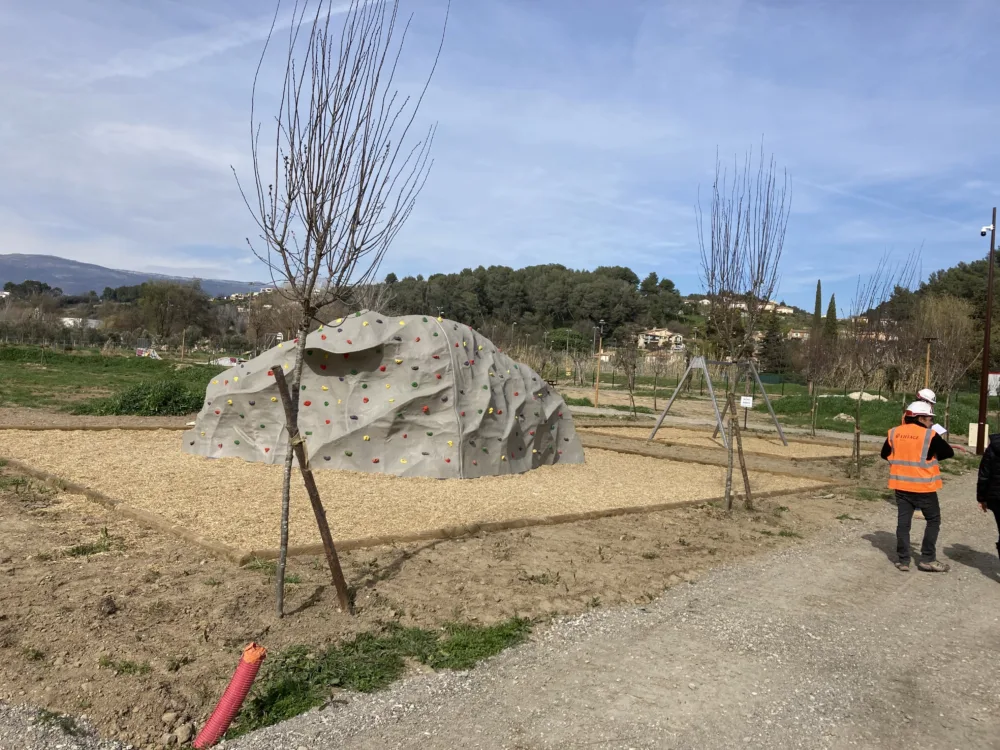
{"type": "Point", "coordinates": [490, 397]}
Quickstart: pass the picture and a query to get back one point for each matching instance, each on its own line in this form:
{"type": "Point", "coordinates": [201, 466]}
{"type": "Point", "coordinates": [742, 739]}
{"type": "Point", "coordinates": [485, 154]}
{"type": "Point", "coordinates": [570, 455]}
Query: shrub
{"type": "Point", "coordinates": [160, 398]}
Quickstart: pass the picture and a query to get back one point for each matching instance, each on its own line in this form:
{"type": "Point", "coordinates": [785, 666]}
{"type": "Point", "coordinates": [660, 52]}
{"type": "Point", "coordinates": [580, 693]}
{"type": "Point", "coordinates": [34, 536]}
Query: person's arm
{"type": "Point", "coordinates": [886, 450]}
{"type": "Point", "coordinates": [985, 476]}
{"type": "Point", "coordinates": [940, 449]}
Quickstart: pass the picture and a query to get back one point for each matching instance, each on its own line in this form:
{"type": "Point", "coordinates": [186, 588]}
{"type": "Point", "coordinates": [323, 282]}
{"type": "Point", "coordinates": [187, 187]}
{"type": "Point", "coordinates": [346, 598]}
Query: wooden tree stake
{"type": "Point", "coordinates": [748, 498]}
{"type": "Point", "coordinates": [336, 572]}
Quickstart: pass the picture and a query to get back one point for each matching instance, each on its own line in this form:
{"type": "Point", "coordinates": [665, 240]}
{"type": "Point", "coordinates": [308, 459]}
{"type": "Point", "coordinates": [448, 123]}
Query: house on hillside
{"type": "Point", "coordinates": [784, 310]}
{"type": "Point", "coordinates": [88, 323]}
{"type": "Point", "coordinates": [661, 338]}
{"type": "Point", "coordinates": [798, 334]}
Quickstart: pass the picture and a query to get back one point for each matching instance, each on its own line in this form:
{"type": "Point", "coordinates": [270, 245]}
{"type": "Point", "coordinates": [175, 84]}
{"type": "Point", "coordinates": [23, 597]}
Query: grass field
{"type": "Point", "coordinates": [35, 377]}
{"type": "Point", "coordinates": [877, 417]}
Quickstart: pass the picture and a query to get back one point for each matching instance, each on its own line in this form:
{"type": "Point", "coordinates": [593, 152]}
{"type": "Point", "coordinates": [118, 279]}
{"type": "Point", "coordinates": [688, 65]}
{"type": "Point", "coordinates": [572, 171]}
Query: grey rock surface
{"type": "Point", "coordinates": [411, 396]}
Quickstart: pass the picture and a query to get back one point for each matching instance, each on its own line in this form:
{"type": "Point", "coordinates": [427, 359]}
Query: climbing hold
{"type": "Point", "coordinates": [438, 376]}
{"type": "Point", "coordinates": [503, 458]}
{"type": "Point", "coordinates": [326, 458]}
{"type": "Point", "coordinates": [374, 460]}
{"type": "Point", "coordinates": [203, 434]}
{"type": "Point", "coordinates": [322, 367]}
{"type": "Point", "coordinates": [462, 414]}
{"type": "Point", "coordinates": [382, 368]}
{"type": "Point", "coordinates": [347, 355]}
{"type": "Point", "coordinates": [414, 384]}
{"type": "Point", "coordinates": [479, 348]}
{"type": "Point", "coordinates": [399, 361]}
{"type": "Point", "coordinates": [499, 411]}
{"type": "Point", "coordinates": [252, 403]}
{"type": "Point", "coordinates": [348, 453]}
{"type": "Point", "coordinates": [215, 382]}
{"type": "Point", "coordinates": [430, 434]}
{"type": "Point", "coordinates": [486, 387]}
{"type": "Point", "coordinates": [479, 410]}
{"type": "Point", "coordinates": [486, 450]}
{"type": "Point", "coordinates": [307, 403]}
{"type": "Point", "coordinates": [439, 320]}
{"type": "Point", "coordinates": [392, 400]}
{"type": "Point", "coordinates": [365, 323]}
{"type": "Point", "coordinates": [236, 379]}
{"type": "Point", "coordinates": [326, 403]}
{"type": "Point", "coordinates": [303, 388]}
{"type": "Point", "coordinates": [262, 427]}
{"type": "Point", "coordinates": [515, 393]}
{"type": "Point", "coordinates": [472, 361]}
{"type": "Point", "coordinates": [424, 409]}
{"type": "Point", "coordinates": [364, 400]}
{"type": "Point", "coordinates": [367, 438]}
{"type": "Point", "coordinates": [340, 401]}
{"type": "Point", "coordinates": [404, 436]}
{"type": "Point", "coordinates": [270, 373]}
{"type": "Point", "coordinates": [417, 339]}
{"type": "Point", "coordinates": [402, 460]}
{"type": "Point", "coordinates": [414, 367]}
{"type": "Point", "coordinates": [560, 414]}
{"type": "Point", "coordinates": [267, 450]}
{"type": "Point", "coordinates": [325, 387]}
{"type": "Point", "coordinates": [242, 417]}
{"type": "Point", "coordinates": [349, 341]}
{"type": "Point", "coordinates": [328, 421]}
{"type": "Point", "coordinates": [338, 321]}
{"type": "Point", "coordinates": [435, 333]}
{"type": "Point", "coordinates": [363, 385]}
{"type": "Point", "coordinates": [402, 322]}
{"type": "Point", "coordinates": [191, 443]}
{"type": "Point", "coordinates": [447, 460]}
{"type": "Point", "coordinates": [323, 337]}
{"type": "Point", "coordinates": [450, 443]}
{"type": "Point", "coordinates": [378, 320]}
{"type": "Point", "coordinates": [434, 356]}
{"type": "Point", "coordinates": [534, 450]}
{"type": "Point", "coordinates": [217, 411]}
{"type": "Point", "coordinates": [281, 346]}
{"type": "Point", "coordinates": [354, 417]}
{"type": "Point", "coordinates": [237, 442]}
{"type": "Point", "coordinates": [456, 345]}
{"type": "Point", "coordinates": [340, 330]}
{"type": "Point", "coordinates": [220, 445]}
{"type": "Point", "coordinates": [341, 379]}
{"type": "Point", "coordinates": [388, 385]}
{"type": "Point", "coordinates": [466, 363]}
{"type": "Point", "coordinates": [229, 401]}
{"type": "Point", "coordinates": [532, 432]}
{"type": "Point", "coordinates": [475, 462]}
{"type": "Point", "coordinates": [490, 410]}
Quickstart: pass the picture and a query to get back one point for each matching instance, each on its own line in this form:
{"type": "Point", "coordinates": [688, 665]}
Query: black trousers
{"type": "Point", "coordinates": [907, 503]}
{"type": "Point", "coordinates": [995, 507]}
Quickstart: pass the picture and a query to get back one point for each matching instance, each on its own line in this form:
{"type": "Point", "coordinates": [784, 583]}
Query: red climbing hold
{"type": "Point", "coordinates": [382, 368]}
{"type": "Point", "coordinates": [472, 361]}
{"type": "Point", "coordinates": [323, 367]}
{"type": "Point", "coordinates": [447, 460]}
{"type": "Point", "coordinates": [307, 403]}
{"type": "Point", "coordinates": [424, 409]}
{"type": "Point", "coordinates": [515, 393]}
{"type": "Point", "coordinates": [323, 336]}
{"type": "Point", "coordinates": [328, 421]}
{"type": "Point", "coordinates": [346, 355]}
{"type": "Point", "coordinates": [499, 411]}
{"type": "Point", "coordinates": [404, 435]}
{"type": "Point", "coordinates": [462, 414]}
{"type": "Point", "coordinates": [560, 414]}
{"type": "Point", "coordinates": [434, 356]}
{"type": "Point", "coordinates": [417, 339]}
{"type": "Point", "coordinates": [270, 373]}
{"type": "Point", "coordinates": [438, 376]}
{"type": "Point", "coordinates": [456, 345]}
{"type": "Point", "coordinates": [295, 341]}
{"type": "Point", "coordinates": [374, 460]}
{"type": "Point", "coordinates": [220, 445]}
{"type": "Point", "coordinates": [364, 400]}
{"type": "Point", "coordinates": [532, 432]}
{"type": "Point", "coordinates": [349, 341]}
{"type": "Point", "coordinates": [267, 450]}
{"type": "Point", "coordinates": [217, 411]}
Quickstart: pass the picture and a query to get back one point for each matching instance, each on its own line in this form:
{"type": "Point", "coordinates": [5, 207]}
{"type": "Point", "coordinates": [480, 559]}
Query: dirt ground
{"type": "Point", "coordinates": [17, 416]}
{"type": "Point", "coordinates": [149, 599]}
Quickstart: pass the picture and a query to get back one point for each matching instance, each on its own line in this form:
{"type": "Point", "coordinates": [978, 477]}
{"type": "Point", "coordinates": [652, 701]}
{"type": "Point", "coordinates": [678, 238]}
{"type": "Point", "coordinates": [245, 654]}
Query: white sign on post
{"type": "Point", "coordinates": [746, 402]}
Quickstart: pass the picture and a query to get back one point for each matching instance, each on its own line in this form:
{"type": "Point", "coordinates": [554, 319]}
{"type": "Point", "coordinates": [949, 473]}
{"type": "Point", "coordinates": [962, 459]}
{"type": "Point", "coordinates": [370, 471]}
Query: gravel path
{"type": "Point", "coordinates": [824, 645]}
{"type": "Point", "coordinates": [23, 728]}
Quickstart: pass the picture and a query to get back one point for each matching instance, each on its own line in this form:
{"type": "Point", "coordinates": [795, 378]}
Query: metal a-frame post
{"type": "Point", "coordinates": [748, 364]}
{"type": "Point", "coordinates": [696, 363]}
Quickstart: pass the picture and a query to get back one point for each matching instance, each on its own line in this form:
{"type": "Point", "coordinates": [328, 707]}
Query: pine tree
{"type": "Point", "coordinates": [817, 324]}
{"type": "Point", "coordinates": [830, 324]}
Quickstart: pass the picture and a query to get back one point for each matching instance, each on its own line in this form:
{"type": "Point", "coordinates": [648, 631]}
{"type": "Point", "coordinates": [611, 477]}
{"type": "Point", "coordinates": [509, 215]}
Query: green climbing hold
{"type": "Point", "coordinates": [354, 372]}
{"type": "Point", "coordinates": [348, 453]}
{"type": "Point", "coordinates": [303, 387]}
{"type": "Point", "coordinates": [326, 403]}
{"type": "Point", "coordinates": [262, 427]}
{"type": "Point", "coordinates": [516, 367]}
{"type": "Point", "coordinates": [309, 352]}
{"type": "Point", "coordinates": [364, 385]}
{"type": "Point", "coordinates": [480, 411]}
{"type": "Point", "coordinates": [414, 384]}
{"type": "Point", "coordinates": [486, 450]}
{"type": "Point", "coordinates": [241, 416]}
{"type": "Point", "coordinates": [357, 314]}
{"type": "Point", "coordinates": [435, 333]}
{"type": "Point", "coordinates": [425, 320]}
{"type": "Point", "coordinates": [486, 387]}
{"type": "Point", "coordinates": [399, 414]}
{"type": "Point", "coordinates": [430, 434]}
{"type": "Point", "coordinates": [237, 442]}
{"type": "Point", "coordinates": [308, 432]}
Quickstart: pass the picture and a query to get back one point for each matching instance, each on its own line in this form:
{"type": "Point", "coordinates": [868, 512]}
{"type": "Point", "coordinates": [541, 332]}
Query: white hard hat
{"type": "Point", "coordinates": [926, 394]}
{"type": "Point", "coordinates": [920, 409]}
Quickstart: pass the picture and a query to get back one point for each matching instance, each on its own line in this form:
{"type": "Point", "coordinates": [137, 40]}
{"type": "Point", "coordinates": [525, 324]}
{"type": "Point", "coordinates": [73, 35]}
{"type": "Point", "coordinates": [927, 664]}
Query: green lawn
{"type": "Point", "coordinates": [36, 377]}
{"type": "Point", "coordinates": [877, 417]}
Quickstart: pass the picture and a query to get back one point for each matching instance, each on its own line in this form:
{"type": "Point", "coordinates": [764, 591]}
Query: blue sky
{"type": "Point", "coordinates": [569, 132]}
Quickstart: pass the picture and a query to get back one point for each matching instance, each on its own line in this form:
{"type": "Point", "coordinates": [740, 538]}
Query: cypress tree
{"type": "Point", "coordinates": [817, 323]}
{"type": "Point", "coordinates": [830, 324]}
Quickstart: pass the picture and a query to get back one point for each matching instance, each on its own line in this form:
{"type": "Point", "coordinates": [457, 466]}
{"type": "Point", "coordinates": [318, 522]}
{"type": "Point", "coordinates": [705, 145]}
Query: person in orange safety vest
{"type": "Point", "coordinates": [913, 451]}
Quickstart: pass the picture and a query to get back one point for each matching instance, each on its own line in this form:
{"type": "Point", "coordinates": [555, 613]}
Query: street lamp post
{"type": "Point", "coordinates": [600, 352]}
{"type": "Point", "coordinates": [984, 376]}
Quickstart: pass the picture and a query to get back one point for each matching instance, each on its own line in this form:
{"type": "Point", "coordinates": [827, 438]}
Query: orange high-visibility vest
{"type": "Point", "coordinates": [909, 468]}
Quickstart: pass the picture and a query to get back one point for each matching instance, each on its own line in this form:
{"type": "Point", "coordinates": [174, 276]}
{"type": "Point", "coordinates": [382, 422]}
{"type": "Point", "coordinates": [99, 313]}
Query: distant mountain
{"type": "Point", "coordinates": [74, 277]}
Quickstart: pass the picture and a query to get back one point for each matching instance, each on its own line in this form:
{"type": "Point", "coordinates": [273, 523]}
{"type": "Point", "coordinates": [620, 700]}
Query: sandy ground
{"type": "Point", "coordinates": [703, 438]}
{"type": "Point", "coordinates": [238, 503]}
{"type": "Point", "coordinates": [17, 416]}
{"type": "Point", "coordinates": [189, 616]}
{"type": "Point", "coordinates": [823, 646]}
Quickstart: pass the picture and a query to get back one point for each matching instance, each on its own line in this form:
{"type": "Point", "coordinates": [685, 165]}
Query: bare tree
{"type": "Point", "coordinates": [658, 360]}
{"type": "Point", "coordinates": [340, 178]}
{"type": "Point", "coordinates": [873, 336]}
{"type": "Point", "coordinates": [375, 296]}
{"type": "Point", "coordinates": [626, 356]}
{"type": "Point", "coordinates": [740, 255]}
{"type": "Point", "coordinates": [949, 321]}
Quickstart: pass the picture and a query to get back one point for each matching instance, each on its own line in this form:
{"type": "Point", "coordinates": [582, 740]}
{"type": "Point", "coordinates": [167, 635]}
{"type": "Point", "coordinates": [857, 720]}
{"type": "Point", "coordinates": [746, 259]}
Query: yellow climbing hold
{"type": "Point", "coordinates": [402, 460]}
{"type": "Point", "coordinates": [440, 318]}
{"type": "Point", "coordinates": [286, 365]}
{"type": "Point", "coordinates": [281, 346]}
{"type": "Point", "coordinates": [236, 379]}
{"type": "Point", "coordinates": [367, 438]}
{"type": "Point", "coordinates": [215, 382]}
{"type": "Point", "coordinates": [203, 434]}
{"type": "Point", "coordinates": [326, 356]}
{"type": "Point", "coordinates": [326, 388]}
{"type": "Point", "coordinates": [491, 373]}
{"type": "Point", "coordinates": [273, 399]}
{"type": "Point", "coordinates": [392, 400]}
{"type": "Point", "coordinates": [338, 321]}
{"type": "Point", "coordinates": [338, 400]}
{"type": "Point", "coordinates": [399, 361]}
{"type": "Point", "coordinates": [491, 410]}
{"type": "Point", "coordinates": [480, 347]}
{"type": "Point", "coordinates": [229, 401]}
{"type": "Point", "coordinates": [388, 385]}
{"type": "Point", "coordinates": [463, 343]}
{"type": "Point", "coordinates": [450, 443]}
{"type": "Point", "coordinates": [402, 322]}
{"type": "Point", "coordinates": [503, 458]}
{"type": "Point", "coordinates": [365, 323]}
{"type": "Point", "coordinates": [534, 450]}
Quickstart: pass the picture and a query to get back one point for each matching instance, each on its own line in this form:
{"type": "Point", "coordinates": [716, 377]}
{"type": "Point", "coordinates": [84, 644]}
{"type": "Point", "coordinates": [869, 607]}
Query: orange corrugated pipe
{"type": "Point", "coordinates": [231, 700]}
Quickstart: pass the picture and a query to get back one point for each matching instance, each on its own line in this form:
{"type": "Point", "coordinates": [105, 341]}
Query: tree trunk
{"type": "Point", "coordinates": [291, 427]}
{"type": "Point", "coordinates": [733, 425]}
{"type": "Point", "coordinates": [735, 430]}
{"type": "Point", "coordinates": [814, 409]}
{"type": "Point", "coordinates": [857, 434]}
{"type": "Point", "coordinates": [654, 391]}
{"type": "Point", "coordinates": [947, 411]}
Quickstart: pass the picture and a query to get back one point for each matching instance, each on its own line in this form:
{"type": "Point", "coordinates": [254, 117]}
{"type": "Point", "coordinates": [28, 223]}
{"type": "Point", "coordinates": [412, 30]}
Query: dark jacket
{"type": "Point", "coordinates": [988, 487]}
{"type": "Point", "coordinates": [939, 449]}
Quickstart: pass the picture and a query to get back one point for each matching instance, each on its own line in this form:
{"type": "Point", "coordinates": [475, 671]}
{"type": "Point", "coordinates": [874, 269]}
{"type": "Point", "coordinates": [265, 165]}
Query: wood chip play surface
{"type": "Point", "coordinates": [238, 503]}
{"type": "Point", "coordinates": [771, 445]}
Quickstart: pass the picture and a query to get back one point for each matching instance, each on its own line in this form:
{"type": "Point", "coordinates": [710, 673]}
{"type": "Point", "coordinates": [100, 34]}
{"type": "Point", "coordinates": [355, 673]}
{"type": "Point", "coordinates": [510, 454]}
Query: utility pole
{"type": "Point", "coordinates": [597, 380]}
{"type": "Point", "coordinates": [984, 376]}
{"type": "Point", "coordinates": [927, 367]}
